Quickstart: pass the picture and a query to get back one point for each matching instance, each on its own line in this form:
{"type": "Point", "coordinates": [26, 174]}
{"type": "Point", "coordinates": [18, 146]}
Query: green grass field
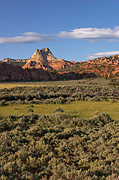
{"type": "Point", "coordinates": [82, 109]}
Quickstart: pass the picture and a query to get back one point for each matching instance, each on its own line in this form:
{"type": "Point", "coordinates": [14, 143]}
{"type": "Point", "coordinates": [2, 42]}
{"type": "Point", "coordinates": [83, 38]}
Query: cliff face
{"type": "Point", "coordinates": [9, 72]}
{"type": "Point", "coordinates": [46, 60]}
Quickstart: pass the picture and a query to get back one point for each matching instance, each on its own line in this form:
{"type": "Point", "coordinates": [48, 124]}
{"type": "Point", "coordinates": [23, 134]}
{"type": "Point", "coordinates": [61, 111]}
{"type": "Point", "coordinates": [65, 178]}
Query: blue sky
{"type": "Point", "coordinates": [73, 29]}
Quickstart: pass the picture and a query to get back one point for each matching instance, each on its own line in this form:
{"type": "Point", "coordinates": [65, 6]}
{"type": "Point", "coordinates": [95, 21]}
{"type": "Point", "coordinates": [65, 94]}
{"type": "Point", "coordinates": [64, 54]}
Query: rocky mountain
{"type": "Point", "coordinates": [46, 60]}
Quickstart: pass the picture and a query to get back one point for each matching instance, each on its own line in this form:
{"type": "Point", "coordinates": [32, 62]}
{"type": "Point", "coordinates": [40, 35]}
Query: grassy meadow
{"type": "Point", "coordinates": [82, 109]}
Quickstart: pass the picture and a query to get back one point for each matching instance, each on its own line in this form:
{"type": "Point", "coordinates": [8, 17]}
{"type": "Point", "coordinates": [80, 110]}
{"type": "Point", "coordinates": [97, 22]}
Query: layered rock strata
{"type": "Point", "coordinates": [46, 60]}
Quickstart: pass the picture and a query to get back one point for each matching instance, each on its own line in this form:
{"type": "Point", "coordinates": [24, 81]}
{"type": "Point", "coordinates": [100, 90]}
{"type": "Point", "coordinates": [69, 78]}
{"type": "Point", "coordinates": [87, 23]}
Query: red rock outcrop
{"type": "Point", "coordinates": [38, 66]}
{"type": "Point", "coordinates": [105, 60]}
{"type": "Point", "coordinates": [104, 66]}
{"type": "Point", "coordinates": [45, 59]}
{"type": "Point", "coordinates": [9, 72]}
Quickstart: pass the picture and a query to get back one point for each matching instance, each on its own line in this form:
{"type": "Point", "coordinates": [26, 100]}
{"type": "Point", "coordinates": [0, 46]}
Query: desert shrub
{"type": "Point", "coordinates": [4, 103]}
{"type": "Point", "coordinates": [58, 110]}
{"type": "Point", "coordinates": [113, 83]}
{"type": "Point", "coordinates": [30, 110]}
{"type": "Point", "coordinates": [96, 113]}
{"type": "Point", "coordinates": [57, 146]}
{"type": "Point", "coordinates": [113, 100]}
{"type": "Point", "coordinates": [50, 94]}
{"type": "Point", "coordinates": [100, 120]}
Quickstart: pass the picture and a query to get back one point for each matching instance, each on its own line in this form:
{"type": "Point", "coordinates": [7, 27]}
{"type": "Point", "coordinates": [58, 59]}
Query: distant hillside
{"type": "Point", "coordinates": [44, 59]}
{"type": "Point", "coordinates": [15, 62]}
{"type": "Point", "coordinates": [18, 63]}
{"type": "Point", "coordinates": [102, 67]}
{"type": "Point", "coordinates": [9, 72]}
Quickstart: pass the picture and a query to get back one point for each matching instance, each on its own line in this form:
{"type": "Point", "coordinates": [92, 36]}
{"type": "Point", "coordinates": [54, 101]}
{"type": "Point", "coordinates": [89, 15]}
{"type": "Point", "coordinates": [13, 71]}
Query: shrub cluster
{"type": "Point", "coordinates": [57, 95]}
{"type": "Point", "coordinates": [57, 147]}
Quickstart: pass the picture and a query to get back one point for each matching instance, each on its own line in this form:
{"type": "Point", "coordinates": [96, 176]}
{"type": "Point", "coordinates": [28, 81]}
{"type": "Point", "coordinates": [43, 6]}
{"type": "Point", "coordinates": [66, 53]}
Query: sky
{"type": "Point", "coordinates": [75, 30]}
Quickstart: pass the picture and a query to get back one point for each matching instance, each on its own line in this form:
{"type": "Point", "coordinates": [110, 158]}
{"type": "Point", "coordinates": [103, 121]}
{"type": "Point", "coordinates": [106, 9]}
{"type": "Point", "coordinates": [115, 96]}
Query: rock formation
{"type": "Point", "coordinates": [45, 59]}
{"type": "Point", "coordinates": [9, 72]}
{"type": "Point", "coordinates": [102, 67]}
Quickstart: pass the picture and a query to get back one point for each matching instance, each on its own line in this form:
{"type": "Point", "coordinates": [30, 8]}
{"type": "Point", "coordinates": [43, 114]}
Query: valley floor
{"type": "Point", "coordinates": [80, 82]}
{"type": "Point", "coordinates": [59, 130]}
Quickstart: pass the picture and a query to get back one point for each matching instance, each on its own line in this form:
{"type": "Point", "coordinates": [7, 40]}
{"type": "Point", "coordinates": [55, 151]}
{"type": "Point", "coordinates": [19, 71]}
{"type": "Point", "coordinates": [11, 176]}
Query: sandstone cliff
{"type": "Point", "coordinates": [46, 60]}
{"type": "Point", "coordinates": [9, 72]}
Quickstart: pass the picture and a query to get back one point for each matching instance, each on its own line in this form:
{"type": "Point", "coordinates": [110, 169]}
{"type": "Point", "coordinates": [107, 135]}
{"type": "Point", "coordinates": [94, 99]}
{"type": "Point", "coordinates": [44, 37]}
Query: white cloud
{"type": "Point", "coordinates": [91, 33]}
{"type": "Point", "coordinates": [28, 37]}
{"type": "Point", "coordinates": [102, 54]}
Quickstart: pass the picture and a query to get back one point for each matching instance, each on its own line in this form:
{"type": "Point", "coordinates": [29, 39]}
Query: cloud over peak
{"type": "Point", "coordinates": [28, 37]}
{"type": "Point", "coordinates": [91, 33]}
